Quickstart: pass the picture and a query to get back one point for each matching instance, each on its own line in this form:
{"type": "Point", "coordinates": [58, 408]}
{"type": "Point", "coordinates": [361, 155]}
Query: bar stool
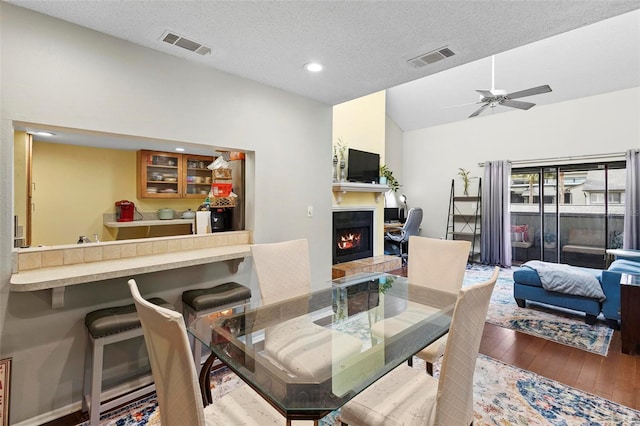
{"type": "Point", "coordinates": [200, 302]}
{"type": "Point", "coordinates": [107, 326]}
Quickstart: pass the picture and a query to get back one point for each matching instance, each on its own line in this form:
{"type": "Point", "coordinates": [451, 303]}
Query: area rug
{"type": "Point", "coordinates": [551, 323]}
{"type": "Point", "coordinates": [503, 395]}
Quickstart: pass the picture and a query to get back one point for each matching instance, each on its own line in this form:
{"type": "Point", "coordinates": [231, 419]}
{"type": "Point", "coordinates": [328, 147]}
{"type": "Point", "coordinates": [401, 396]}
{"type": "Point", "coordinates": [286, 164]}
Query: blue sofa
{"type": "Point", "coordinates": [527, 286]}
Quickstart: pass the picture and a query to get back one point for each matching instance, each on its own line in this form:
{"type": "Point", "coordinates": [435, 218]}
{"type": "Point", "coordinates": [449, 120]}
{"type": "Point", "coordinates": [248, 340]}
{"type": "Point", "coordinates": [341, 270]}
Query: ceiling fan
{"type": "Point", "coordinates": [494, 97]}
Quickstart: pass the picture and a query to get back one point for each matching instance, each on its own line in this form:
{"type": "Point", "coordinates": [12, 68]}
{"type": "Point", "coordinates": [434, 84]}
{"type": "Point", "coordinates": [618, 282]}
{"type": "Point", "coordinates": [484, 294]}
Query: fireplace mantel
{"type": "Point", "coordinates": [341, 188]}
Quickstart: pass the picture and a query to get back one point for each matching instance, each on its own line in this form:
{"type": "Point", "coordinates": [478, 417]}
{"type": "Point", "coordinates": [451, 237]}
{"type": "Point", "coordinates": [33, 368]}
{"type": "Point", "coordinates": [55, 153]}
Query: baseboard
{"type": "Point", "coordinates": [123, 388]}
{"type": "Point", "coordinates": [51, 415]}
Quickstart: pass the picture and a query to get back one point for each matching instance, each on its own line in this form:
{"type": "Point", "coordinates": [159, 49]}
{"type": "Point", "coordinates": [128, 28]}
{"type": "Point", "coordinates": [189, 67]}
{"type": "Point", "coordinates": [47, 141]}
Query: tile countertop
{"type": "Point", "coordinates": [54, 268]}
{"type": "Point", "coordinates": [62, 276]}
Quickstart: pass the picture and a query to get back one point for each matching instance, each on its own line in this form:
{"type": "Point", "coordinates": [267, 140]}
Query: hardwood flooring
{"type": "Point", "coordinates": [615, 377]}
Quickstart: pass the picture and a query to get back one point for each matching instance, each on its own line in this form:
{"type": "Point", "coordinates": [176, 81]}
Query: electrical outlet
{"type": "Point", "coordinates": [309, 211]}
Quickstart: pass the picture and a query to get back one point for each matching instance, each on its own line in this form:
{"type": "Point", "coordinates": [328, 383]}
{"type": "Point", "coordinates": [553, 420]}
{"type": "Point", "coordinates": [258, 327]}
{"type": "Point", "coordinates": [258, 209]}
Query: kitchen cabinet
{"type": "Point", "coordinates": [169, 175]}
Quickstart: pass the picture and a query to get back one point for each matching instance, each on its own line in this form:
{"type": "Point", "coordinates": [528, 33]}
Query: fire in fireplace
{"type": "Point", "coordinates": [352, 235]}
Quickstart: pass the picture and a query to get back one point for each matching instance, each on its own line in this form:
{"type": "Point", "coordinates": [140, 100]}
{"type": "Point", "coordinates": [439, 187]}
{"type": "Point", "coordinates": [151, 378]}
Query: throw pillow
{"type": "Point", "coordinates": [523, 230]}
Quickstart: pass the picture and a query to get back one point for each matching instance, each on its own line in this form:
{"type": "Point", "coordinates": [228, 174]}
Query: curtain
{"type": "Point", "coordinates": [495, 237]}
{"type": "Point", "coordinates": [632, 201]}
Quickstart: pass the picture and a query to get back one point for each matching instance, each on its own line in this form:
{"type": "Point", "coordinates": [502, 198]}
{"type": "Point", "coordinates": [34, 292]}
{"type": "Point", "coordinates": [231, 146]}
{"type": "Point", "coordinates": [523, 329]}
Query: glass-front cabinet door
{"type": "Point", "coordinates": [197, 177]}
{"type": "Point", "coordinates": [168, 175]}
{"type": "Point", "coordinates": [159, 174]}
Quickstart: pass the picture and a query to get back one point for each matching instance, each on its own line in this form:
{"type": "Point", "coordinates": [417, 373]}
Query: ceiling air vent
{"type": "Point", "coordinates": [185, 43]}
{"type": "Point", "coordinates": [431, 57]}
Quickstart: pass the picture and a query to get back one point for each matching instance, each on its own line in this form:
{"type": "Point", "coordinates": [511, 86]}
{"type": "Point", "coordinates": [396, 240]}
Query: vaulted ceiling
{"type": "Point", "coordinates": [578, 47]}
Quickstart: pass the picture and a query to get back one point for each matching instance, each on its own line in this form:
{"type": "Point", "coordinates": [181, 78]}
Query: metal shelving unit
{"type": "Point", "coordinates": [463, 221]}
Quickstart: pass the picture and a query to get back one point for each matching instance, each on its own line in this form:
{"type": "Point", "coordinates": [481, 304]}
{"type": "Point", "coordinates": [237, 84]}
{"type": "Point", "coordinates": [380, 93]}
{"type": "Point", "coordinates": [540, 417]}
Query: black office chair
{"type": "Point", "coordinates": [401, 235]}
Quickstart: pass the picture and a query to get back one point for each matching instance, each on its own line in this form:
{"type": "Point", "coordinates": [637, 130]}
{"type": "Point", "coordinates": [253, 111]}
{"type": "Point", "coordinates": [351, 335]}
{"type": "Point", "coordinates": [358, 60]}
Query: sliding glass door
{"type": "Point", "coordinates": [567, 213]}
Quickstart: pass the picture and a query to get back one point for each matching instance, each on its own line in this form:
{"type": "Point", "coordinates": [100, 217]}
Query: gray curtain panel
{"type": "Point", "coordinates": [495, 241]}
{"type": "Point", "coordinates": [632, 201]}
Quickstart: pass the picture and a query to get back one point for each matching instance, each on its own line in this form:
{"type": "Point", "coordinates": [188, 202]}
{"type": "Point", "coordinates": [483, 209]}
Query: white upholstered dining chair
{"type": "Point", "coordinates": [409, 397]}
{"type": "Point", "coordinates": [283, 270]}
{"type": "Point", "coordinates": [299, 345]}
{"type": "Point", "coordinates": [174, 374]}
{"type": "Point", "coordinates": [437, 264]}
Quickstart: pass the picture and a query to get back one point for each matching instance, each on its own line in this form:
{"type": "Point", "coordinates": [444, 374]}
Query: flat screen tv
{"type": "Point", "coordinates": [363, 166]}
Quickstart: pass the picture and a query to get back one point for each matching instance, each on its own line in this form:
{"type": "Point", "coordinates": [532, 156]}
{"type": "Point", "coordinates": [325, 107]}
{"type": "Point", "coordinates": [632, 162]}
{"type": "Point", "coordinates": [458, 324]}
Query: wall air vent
{"type": "Point", "coordinates": [185, 43]}
{"type": "Point", "coordinates": [431, 57]}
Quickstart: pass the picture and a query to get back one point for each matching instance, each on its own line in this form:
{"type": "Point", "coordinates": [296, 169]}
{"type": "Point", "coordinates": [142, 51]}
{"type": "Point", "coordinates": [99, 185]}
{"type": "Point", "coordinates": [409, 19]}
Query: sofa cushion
{"type": "Point", "coordinates": [528, 276]}
{"type": "Point", "coordinates": [625, 266]}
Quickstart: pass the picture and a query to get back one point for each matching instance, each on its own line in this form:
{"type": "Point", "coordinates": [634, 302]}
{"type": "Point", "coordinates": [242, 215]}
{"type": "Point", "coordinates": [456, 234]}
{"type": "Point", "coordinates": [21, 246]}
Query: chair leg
{"type": "Point", "coordinates": [429, 368]}
{"type": "Point", "coordinates": [96, 382]}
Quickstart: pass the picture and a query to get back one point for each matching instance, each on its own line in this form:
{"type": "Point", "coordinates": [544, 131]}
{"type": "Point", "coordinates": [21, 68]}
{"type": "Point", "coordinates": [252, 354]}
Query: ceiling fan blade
{"type": "Point", "coordinates": [529, 92]}
{"type": "Point", "coordinates": [478, 111]}
{"type": "Point", "coordinates": [485, 93]}
{"type": "Point", "coordinates": [517, 104]}
{"type": "Point", "coordinates": [461, 105]}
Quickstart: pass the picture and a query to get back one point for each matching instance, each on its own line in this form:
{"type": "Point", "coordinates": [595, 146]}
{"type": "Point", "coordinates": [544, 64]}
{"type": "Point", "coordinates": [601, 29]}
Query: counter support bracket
{"type": "Point", "coordinates": [233, 264]}
{"type": "Point", "coordinates": [57, 297]}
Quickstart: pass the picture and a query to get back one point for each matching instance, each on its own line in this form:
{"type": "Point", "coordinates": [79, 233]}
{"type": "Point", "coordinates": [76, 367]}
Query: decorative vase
{"type": "Point", "coordinates": [335, 168]}
{"type": "Point", "coordinates": [342, 173]}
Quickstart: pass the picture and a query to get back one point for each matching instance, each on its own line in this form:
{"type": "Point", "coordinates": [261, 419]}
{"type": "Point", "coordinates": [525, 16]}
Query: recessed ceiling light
{"type": "Point", "coordinates": [44, 133]}
{"type": "Point", "coordinates": [313, 67]}
{"type": "Point", "coordinates": [180, 149]}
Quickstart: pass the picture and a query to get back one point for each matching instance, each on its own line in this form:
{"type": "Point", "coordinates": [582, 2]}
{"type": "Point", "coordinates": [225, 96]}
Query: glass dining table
{"type": "Point", "coordinates": [308, 356]}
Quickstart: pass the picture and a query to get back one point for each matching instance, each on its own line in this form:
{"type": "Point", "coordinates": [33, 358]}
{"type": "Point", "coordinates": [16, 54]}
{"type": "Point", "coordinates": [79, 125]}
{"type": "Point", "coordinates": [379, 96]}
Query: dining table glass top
{"type": "Point", "coordinates": [309, 355]}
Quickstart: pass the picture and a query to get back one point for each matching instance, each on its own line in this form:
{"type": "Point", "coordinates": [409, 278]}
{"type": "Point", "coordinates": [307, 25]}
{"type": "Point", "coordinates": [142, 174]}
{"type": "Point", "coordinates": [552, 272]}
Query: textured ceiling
{"type": "Point", "coordinates": [365, 45]}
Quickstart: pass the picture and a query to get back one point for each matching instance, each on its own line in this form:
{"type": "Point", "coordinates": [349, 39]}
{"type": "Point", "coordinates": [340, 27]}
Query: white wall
{"type": "Point", "coordinates": [60, 74]}
{"type": "Point", "coordinates": [393, 159]}
{"type": "Point", "coordinates": [600, 124]}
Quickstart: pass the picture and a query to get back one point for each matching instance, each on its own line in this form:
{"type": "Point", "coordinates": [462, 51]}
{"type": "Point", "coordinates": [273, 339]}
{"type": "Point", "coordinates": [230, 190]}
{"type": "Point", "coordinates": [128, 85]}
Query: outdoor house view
{"type": "Point", "coordinates": [573, 217]}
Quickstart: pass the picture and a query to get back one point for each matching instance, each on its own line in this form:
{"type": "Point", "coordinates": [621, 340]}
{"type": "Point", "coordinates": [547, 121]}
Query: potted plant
{"type": "Point", "coordinates": [466, 179]}
{"type": "Point", "coordinates": [391, 180]}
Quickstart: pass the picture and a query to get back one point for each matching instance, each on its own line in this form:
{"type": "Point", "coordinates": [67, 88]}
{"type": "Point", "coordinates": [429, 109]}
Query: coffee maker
{"type": "Point", "coordinates": [220, 219]}
{"type": "Point", "coordinates": [124, 211]}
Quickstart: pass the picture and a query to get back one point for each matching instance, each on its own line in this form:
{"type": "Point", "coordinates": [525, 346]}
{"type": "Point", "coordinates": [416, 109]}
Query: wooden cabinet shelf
{"type": "Point", "coordinates": [169, 175]}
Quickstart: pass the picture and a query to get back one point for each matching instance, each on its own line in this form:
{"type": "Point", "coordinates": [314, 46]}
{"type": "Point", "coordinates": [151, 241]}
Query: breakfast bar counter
{"type": "Point", "coordinates": [35, 271]}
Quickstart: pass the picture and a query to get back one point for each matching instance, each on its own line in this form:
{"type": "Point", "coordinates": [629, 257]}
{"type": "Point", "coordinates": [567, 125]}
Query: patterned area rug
{"type": "Point", "coordinates": [551, 323]}
{"type": "Point", "coordinates": [503, 395]}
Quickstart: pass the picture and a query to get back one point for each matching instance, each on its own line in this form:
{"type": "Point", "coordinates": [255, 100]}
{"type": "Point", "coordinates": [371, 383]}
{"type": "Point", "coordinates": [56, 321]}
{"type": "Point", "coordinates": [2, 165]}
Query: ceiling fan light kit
{"type": "Point", "coordinates": [494, 97]}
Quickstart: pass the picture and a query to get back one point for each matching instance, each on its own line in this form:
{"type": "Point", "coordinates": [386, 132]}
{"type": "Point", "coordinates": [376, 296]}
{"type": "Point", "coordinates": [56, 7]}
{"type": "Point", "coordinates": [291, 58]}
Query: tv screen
{"type": "Point", "coordinates": [363, 166]}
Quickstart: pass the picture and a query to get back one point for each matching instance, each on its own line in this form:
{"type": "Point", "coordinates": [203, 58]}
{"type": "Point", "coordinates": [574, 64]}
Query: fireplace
{"type": "Point", "coordinates": [352, 235]}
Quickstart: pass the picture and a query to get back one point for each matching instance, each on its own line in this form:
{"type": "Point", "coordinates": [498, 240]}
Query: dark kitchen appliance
{"type": "Point", "coordinates": [220, 219]}
{"type": "Point", "coordinates": [124, 210]}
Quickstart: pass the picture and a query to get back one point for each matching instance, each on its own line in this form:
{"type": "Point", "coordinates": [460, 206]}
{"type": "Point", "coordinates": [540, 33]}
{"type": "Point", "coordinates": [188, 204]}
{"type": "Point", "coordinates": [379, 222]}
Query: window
{"type": "Point", "coordinates": [573, 217]}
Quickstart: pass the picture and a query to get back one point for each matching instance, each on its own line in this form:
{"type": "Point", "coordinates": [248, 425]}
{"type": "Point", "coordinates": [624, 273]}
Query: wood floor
{"type": "Point", "coordinates": [615, 377]}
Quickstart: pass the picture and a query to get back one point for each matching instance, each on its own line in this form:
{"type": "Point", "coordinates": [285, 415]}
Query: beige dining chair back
{"type": "Point", "coordinates": [408, 396]}
{"type": "Point", "coordinates": [437, 264]}
{"type": "Point", "coordinates": [174, 374]}
{"type": "Point", "coordinates": [455, 387]}
{"type": "Point", "coordinates": [283, 270]}
{"type": "Point", "coordinates": [299, 346]}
